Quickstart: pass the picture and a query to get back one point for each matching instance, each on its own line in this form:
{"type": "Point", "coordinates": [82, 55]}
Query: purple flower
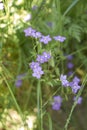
{"type": "Point", "coordinates": [34, 65]}
{"type": "Point", "coordinates": [45, 39]}
{"type": "Point", "coordinates": [18, 83]}
{"type": "Point", "coordinates": [37, 72]}
{"type": "Point", "coordinates": [64, 81]}
{"type": "Point", "coordinates": [76, 79]}
{"type": "Point", "coordinates": [70, 65]}
{"type": "Point", "coordinates": [40, 58]}
{"type": "Point", "coordinates": [69, 57]}
{"type": "Point", "coordinates": [29, 32]}
{"type": "Point", "coordinates": [47, 56]}
{"type": "Point", "coordinates": [57, 99]}
{"type": "Point", "coordinates": [19, 79]}
{"type": "Point", "coordinates": [74, 85]}
{"type": "Point", "coordinates": [38, 35]}
{"type": "Point", "coordinates": [56, 103]}
{"type": "Point", "coordinates": [56, 106]}
{"type": "Point", "coordinates": [70, 73]}
{"type": "Point", "coordinates": [43, 58]}
{"type": "Point", "coordinates": [79, 100]}
{"type": "Point", "coordinates": [59, 38]}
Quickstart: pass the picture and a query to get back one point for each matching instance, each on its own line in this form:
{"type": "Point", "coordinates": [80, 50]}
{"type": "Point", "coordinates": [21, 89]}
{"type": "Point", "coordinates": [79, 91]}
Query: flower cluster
{"type": "Point", "coordinates": [44, 39]}
{"type": "Point", "coordinates": [74, 84]}
{"type": "Point", "coordinates": [43, 58]}
{"type": "Point", "coordinates": [37, 70]}
{"type": "Point", "coordinates": [56, 105]}
{"type": "Point", "coordinates": [57, 102]}
{"type": "Point", "coordinates": [31, 32]}
{"type": "Point", "coordinates": [35, 66]}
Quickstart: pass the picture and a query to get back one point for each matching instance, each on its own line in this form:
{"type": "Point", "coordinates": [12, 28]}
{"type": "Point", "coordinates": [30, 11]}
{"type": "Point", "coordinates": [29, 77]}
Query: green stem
{"type": "Point", "coordinates": [13, 97]}
{"type": "Point", "coordinates": [75, 103]}
{"type": "Point", "coordinates": [50, 121]}
{"type": "Point", "coordinates": [57, 4]}
{"type": "Point", "coordinates": [39, 106]}
{"type": "Point", "coordinates": [60, 28]}
{"type": "Point", "coordinates": [71, 6]}
{"type": "Point", "coordinates": [38, 98]}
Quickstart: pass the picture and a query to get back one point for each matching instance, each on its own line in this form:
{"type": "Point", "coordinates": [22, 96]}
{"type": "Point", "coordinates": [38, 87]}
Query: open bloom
{"type": "Point", "coordinates": [29, 32]}
{"type": "Point", "coordinates": [59, 38]}
{"type": "Point", "coordinates": [75, 84]}
{"type": "Point", "coordinates": [64, 81]}
{"type": "Point", "coordinates": [37, 72]}
{"type": "Point", "coordinates": [40, 59]}
{"type": "Point", "coordinates": [43, 58]}
{"type": "Point", "coordinates": [47, 56]}
{"type": "Point", "coordinates": [57, 100]}
{"type": "Point", "coordinates": [34, 65]}
{"type": "Point", "coordinates": [38, 35]}
{"type": "Point", "coordinates": [76, 79]}
{"type": "Point", "coordinates": [45, 39]}
{"type": "Point", "coordinates": [75, 87]}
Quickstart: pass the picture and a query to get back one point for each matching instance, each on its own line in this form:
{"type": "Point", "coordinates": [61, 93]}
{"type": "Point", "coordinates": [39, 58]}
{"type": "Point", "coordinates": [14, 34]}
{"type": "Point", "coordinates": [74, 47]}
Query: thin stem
{"type": "Point", "coordinates": [70, 7]}
{"type": "Point", "coordinates": [41, 110]}
{"type": "Point", "coordinates": [75, 103]}
{"type": "Point", "coordinates": [39, 106]}
{"type": "Point", "coordinates": [28, 97]}
{"type": "Point", "coordinates": [58, 9]}
{"type": "Point", "coordinates": [38, 98]}
{"type": "Point", "coordinates": [60, 28]}
{"type": "Point", "coordinates": [13, 97]}
{"type": "Point", "coordinates": [50, 121]}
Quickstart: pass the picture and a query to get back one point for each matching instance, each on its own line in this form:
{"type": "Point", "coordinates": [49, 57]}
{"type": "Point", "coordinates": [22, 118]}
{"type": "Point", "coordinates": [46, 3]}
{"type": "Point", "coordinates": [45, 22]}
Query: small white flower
{"type": "Point", "coordinates": [1, 6]}
{"type": "Point", "coordinates": [27, 17]}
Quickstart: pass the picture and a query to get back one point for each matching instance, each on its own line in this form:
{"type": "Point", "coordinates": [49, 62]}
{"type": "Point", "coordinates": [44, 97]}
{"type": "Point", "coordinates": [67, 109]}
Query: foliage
{"type": "Point", "coordinates": [22, 91]}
